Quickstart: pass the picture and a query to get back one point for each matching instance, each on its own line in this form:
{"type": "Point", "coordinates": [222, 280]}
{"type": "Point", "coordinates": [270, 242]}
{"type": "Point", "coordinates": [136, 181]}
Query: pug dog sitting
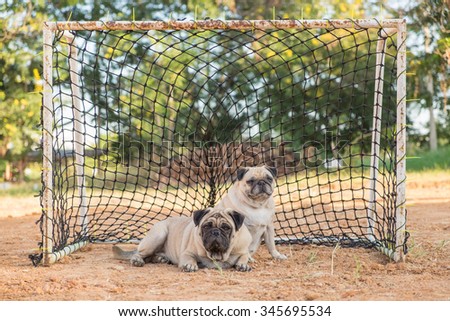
{"type": "Point", "coordinates": [252, 196]}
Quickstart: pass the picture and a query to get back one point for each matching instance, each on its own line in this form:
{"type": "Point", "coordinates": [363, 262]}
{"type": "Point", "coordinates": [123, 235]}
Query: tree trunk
{"type": "Point", "coordinates": [8, 173]}
{"type": "Point", "coordinates": [21, 169]}
{"type": "Point", "coordinates": [430, 89]}
{"type": "Point", "coordinates": [433, 132]}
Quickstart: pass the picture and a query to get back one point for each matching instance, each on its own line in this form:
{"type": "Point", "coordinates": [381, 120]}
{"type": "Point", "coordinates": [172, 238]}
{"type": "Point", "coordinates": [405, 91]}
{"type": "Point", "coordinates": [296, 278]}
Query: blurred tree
{"type": "Point", "coordinates": [20, 84]}
{"type": "Point", "coordinates": [182, 95]}
{"type": "Point", "coordinates": [429, 60]}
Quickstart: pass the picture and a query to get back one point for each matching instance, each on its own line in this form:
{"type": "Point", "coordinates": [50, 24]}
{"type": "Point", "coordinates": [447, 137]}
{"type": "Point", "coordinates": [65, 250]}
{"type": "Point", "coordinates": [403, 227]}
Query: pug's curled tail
{"type": "Point", "coordinates": [120, 254]}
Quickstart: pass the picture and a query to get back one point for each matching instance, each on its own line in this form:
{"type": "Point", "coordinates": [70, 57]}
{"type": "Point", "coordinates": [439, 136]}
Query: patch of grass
{"type": "Point", "coordinates": [312, 257]}
{"type": "Point", "coordinates": [218, 267]}
{"type": "Point", "coordinates": [419, 161]}
{"type": "Point", "coordinates": [333, 255]}
{"type": "Point", "coordinates": [358, 268]}
{"type": "Point", "coordinates": [20, 189]}
{"type": "Point", "coordinates": [442, 245]}
{"type": "Point", "coordinates": [428, 176]}
{"type": "Point", "coordinates": [416, 249]}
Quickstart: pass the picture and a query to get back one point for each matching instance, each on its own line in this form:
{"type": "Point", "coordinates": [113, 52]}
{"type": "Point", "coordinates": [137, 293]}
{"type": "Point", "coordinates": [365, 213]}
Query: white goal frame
{"type": "Point", "coordinates": [387, 27]}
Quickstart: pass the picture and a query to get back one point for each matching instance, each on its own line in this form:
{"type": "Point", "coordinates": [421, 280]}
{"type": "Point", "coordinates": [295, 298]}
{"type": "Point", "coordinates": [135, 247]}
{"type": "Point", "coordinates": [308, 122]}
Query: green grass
{"type": "Point", "coordinates": [22, 189]}
{"type": "Point", "coordinates": [428, 160]}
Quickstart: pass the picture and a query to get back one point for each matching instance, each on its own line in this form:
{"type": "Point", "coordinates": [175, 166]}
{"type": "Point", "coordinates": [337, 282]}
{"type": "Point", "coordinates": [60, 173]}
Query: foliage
{"type": "Point", "coordinates": [420, 160]}
{"type": "Point", "coordinates": [428, 63]}
{"type": "Point", "coordinates": [20, 81]}
{"type": "Point", "coordinates": [177, 105]}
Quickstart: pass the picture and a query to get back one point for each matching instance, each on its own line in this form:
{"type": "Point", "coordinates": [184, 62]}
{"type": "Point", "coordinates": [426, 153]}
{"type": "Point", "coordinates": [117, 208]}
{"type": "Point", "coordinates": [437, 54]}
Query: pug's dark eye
{"type": "Point", "coordinates": [269, 179]}
{"type": "Point", "coordinates": [207, 225]}
{"type": "Point", "coordinates": [225, 227]}
{"type": "Point", "coordinates": [250, 181]}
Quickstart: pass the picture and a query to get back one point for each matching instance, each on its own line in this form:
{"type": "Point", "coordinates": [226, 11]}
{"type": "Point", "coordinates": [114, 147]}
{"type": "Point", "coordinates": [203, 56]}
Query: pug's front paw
{"type": "Point", "coordinates": [242, 267]}
{"type": "Point", "coordinates": [137, 260]}
{"type": "Point", "coordinates": [279, 256]}
{"type": "Point", "coordinates": [189, 268]}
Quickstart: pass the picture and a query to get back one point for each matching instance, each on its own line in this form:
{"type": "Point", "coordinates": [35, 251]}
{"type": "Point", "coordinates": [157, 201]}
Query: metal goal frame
{"type": "Point", "coordinates": [50, 28]}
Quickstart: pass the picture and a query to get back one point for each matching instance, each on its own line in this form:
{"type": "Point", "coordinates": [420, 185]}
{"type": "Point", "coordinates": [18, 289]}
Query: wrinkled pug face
{"type": "Point", "coordinates": [257, 183]}
{"type": "Point", "coordinates": [217, 227]}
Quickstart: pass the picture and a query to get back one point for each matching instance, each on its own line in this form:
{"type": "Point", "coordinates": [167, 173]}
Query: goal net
{"type": "Point", "coordinates": [146, 120]}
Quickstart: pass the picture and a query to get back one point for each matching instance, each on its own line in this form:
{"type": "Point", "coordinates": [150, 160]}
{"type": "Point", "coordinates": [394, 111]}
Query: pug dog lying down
{"type": "Point", "coordinates": [212, 238]}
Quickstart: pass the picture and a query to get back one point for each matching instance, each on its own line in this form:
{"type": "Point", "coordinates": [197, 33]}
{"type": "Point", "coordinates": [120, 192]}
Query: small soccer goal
{"type": "Point", "coordinates": [146, 120]}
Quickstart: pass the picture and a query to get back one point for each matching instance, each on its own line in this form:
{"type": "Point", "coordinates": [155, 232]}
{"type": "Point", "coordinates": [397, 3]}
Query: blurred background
{"type": "Point", "coordinates": [21, 66]}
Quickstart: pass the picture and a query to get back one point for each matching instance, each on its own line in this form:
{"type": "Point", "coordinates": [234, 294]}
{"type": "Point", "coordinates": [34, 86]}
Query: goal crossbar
{"type": "Point", "coordinates": [224, 24]}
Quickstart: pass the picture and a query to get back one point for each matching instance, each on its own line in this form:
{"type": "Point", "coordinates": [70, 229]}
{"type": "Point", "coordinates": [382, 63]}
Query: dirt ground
{"type": "Point", "coordinates": [308, 274]}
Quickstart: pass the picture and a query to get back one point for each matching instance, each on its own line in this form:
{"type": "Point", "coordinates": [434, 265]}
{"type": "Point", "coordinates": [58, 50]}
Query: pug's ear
{"type": "Point", "coordinates": [199, 214]}
{"type": "Point", "coordinates": [238, 219]}
{"type": "Point", "coordinates": [272, 170]}
{"type": "Point", "coordinates": [241, 172]}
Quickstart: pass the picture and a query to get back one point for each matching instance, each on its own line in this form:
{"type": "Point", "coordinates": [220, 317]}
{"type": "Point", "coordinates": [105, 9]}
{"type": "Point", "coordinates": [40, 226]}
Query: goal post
{"type": "Point", "coordinates": [47, 149]}
{"type": "Point", "coordinates": [148, 119]}
{"type": "Point", "coordinates": [400, 219]}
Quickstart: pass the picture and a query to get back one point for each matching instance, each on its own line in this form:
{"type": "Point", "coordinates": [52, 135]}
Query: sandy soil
{"type": "Point", "coordinates": [308, 274]}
